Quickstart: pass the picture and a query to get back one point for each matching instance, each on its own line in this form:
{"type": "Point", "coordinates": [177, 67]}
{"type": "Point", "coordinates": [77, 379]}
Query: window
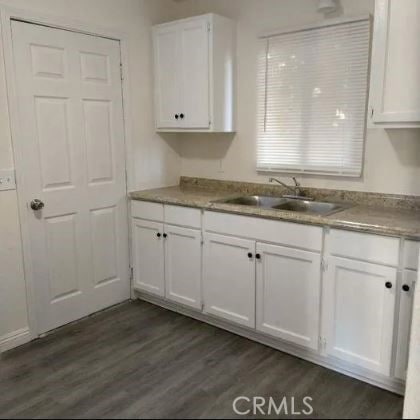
{"type": "Point", "coordinates": [312, 89]}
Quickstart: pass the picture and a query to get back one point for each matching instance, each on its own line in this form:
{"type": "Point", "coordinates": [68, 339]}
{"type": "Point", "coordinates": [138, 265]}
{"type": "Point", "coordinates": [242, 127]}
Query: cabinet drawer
{"type": "Point", "coordinates": [279, 232]}
{"type": "Point", "coordinates": [363, 246]}
{"type": "Point", "coordinates": [183, 216]}
{"type": "Point", "coordinates": [411, 254]}
{"type": "Point", "coordinates": [147, 210]}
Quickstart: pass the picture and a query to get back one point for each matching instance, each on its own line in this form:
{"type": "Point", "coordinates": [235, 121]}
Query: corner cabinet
{"type": "Point", "coordinates": [395, 89]}
{"type": "Point", "coordinates": [194, 68]}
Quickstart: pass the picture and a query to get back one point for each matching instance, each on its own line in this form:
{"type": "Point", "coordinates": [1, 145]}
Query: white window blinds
{"type": "Point", "coordinates": [312, 88]}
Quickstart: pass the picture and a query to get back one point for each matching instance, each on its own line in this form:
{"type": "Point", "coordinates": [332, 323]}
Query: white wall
{"type": "Point", "coordinates": [392, 157]}
{"type": "Point", "coordinates": [155, 159]}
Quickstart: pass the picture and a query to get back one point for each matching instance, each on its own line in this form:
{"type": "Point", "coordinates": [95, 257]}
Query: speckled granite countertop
{"type": "Point", "coordinates": [395, 218]}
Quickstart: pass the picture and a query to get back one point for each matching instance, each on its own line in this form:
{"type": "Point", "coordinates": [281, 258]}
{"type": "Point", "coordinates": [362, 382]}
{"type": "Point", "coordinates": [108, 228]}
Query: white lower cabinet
{"type": "Point", "coordinates": [183, 265]}
{"type": "Point", "coordinates": [288, 294]}
{"type": "Point", "coordinates": [167, 261]}
{"type": "Point", "coordinates": [404, 322]}
{"type": "Point", "coordinates": [358, 313]}
{"type": "Point", "coordinates": [354, 311]}
{"type": "Point", "coordinates": [148, 248]}
{"type": "Point", "coordinates": [229, 278]}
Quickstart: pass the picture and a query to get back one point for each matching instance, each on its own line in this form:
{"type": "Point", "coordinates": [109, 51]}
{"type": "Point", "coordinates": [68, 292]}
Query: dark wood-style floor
{"type": "Point", "coordinates": [141, 361]}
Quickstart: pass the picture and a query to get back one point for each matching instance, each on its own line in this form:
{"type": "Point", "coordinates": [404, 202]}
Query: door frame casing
{"type": "Point", "coordinates": [7, 15]}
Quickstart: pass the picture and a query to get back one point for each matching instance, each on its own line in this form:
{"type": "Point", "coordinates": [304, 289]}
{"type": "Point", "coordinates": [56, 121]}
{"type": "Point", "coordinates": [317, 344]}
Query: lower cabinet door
{"type": "Point", "coordinates": [288, 294]}
{"type": "Point", "coordinates": [358, 313]}
{"type": "Point", "coordinates": [404, 322]}
{"type": "Point", "coordinates": [229, 278]}
{"type": "Point", "coordinates": [148, 257]}
{"type": "Point", "coordinates": [183, 265]}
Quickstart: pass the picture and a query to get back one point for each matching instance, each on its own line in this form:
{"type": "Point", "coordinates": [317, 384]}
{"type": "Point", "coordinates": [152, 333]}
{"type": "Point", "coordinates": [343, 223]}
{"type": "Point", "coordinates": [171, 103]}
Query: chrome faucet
{"type": "Point", "coordinates": [297, 192]}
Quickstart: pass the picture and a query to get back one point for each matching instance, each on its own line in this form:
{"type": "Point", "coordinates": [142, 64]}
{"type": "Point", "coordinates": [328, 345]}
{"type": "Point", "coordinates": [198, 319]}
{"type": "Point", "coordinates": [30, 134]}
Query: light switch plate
{"type": "Point", "coordinates": [7, 179]}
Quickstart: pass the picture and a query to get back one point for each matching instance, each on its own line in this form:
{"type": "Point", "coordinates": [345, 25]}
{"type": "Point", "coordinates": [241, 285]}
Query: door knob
{"type": "Point", "coordinates": [388, 285]}
{"type": "Point", "coordinates": [406, 288]}
{"type": "Point", "coordinates": [37, 204]}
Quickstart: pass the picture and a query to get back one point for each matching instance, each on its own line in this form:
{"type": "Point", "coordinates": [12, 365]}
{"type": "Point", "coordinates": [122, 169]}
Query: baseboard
{"type": "Point", "coordinates": [390, 384]}
{"type": "Point", "coordinates": [14, 339]}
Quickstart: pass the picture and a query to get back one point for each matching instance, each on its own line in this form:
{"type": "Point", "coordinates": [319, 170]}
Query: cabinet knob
{"type": "Point", "coordinates": [406, 287]}
{"type": "Point", "coordinates": [258, 256]}
{"type": "Point", "coordinates": [176, 116]}
{"type": "Point", "coordinates": [181, 116]}
{"type": "Point", "coordinates": [388, 285]}
{"type": "Point", "coordinates": [249, 254]}
{"type": "Point", "coordinates": [165, 235]}
{"type": "Point", "coordinates": [158, 235]}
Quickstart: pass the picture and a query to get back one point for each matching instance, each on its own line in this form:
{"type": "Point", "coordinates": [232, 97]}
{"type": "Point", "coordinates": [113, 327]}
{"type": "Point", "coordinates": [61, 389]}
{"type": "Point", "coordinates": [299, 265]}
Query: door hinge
{"type": "Point", "coordinates": [208, 27]}
{"type": "Point", "coordinates": [324, 265]}
{"type": "Point", "coordinates": [131, 273]}
{"type": "Point", "coordinates": [121, 71]}
{"type": "Point", "coordinates": [372, 111]}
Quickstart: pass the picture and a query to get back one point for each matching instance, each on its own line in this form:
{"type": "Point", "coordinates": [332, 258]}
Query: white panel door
{"type": "Point", "coordinates": [229, 278]}
{"type": "Point", "coordinates": [167, 75]}
{"type": "Point", "coordinates": [288, 294]}
{"type": "Point", "coordinates": [73, 160]}
{"type": "Point", "coordinates": [148, 257]}
{"type": "Point", "coordinates": [358, 313]}
{"type": "Point", "coordinates": [183, 265]}
{"type": "Point", "coordinates": [404, 322]}
{"type": "Point", "coordinates": [194, 73]}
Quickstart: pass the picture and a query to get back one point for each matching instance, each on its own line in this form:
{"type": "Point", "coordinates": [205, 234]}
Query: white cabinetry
{"type": "Point", "coordinates": [273, 287]}
{"type": "Point", "coordinates": [183, 265]}
{"type": "Point", "coordinates": [148, 261]}
{"type": "Point", "coordinates": [288, 294]}
{"type": "Point", "coordinates": [194, 74]}
{"type": "Point", "coordinates": [167, 258]}
{"type": "Point", "coordinates": [358, 307]}
{"type": "Point", "coordinates": [395, 93]}
{"type": "Point", "coordinates": [406, 289]}
{"type": "Point", "coordinates": [340, 298]}
{"type": "Point", "coordinates": [229, 278]}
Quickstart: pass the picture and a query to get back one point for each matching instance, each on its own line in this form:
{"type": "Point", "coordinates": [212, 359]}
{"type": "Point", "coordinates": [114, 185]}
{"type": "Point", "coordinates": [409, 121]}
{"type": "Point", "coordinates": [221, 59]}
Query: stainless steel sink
{"type": "Point", "coordinates": [256, 201]}
{"type": "Point", "coordinates": [287, 204]}
{"type": "Point", "coordinates": [310, 207]}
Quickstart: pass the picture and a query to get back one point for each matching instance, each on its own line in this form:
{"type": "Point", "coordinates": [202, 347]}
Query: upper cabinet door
{"type": "Point", "coordinates": [194, 48]}
{"type": "Point", "coordinates": [167, 67]}
{"type": "Point", "coordinates": [194, 74]}
{"type": "Point", "coordinates": [395, 96]}
{"type": "Point", "coordinates": [288, 294]}
{"type": "Point", "coordinates": [358, 313]}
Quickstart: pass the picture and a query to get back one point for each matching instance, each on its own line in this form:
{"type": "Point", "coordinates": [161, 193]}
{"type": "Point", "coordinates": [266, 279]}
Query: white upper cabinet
{"type": "Point", "coordinates": [395, 77]}
{"type": "Point", "coordinates": [194, 74]}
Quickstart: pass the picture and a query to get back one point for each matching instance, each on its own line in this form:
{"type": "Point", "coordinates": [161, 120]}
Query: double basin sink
{"type": "Point", "coordinates": [300, 205]}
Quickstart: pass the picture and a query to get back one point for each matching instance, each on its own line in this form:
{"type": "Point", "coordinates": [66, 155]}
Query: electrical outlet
{"type": "Point", "coordinates": [7, 179]}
